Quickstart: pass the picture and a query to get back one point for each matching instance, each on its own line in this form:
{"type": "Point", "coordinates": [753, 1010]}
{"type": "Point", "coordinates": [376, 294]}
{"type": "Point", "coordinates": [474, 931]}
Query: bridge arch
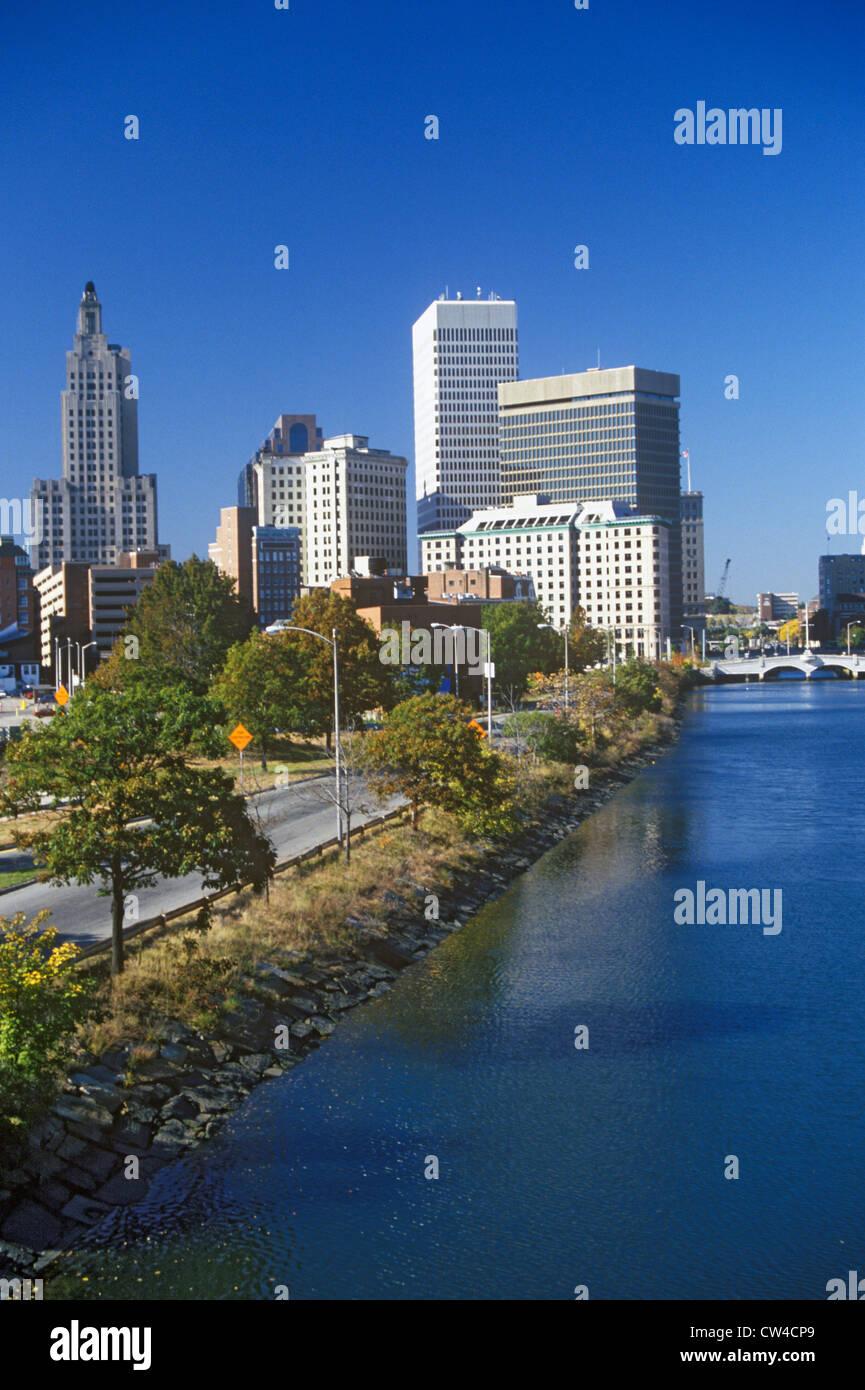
{"type": "Point", "coordinates": [772, 672]}
{"type": "Point", "coordinates": [838, 669]}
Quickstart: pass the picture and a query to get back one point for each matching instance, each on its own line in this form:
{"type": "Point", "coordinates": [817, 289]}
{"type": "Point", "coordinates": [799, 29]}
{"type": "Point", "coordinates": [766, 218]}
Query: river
{"type": "Point", "coordinates": [560, 1166]}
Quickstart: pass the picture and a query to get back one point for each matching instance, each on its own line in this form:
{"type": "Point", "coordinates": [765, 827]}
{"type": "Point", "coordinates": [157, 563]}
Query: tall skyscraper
{"type": "Point", "coordinates": [462, 349]}
{"type": "Point", "coordinates": [101, 505]}
{"type": "Point", "coordinates": [611, 433]}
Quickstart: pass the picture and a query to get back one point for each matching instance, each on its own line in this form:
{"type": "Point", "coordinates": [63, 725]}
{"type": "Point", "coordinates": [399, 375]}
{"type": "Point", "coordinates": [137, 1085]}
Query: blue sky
{"type": "Point", "coordinates": [306, 127]}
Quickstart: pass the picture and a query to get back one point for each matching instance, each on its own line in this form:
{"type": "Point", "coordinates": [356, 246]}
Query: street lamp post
{"type": "Point", "coordinates": [549, 627]}
{"type": "Point", "coordinates": [81, 651]}
{"type": "Point", "coordinates": [688, 628]}
{"type": "Point", "coordinates": [331, 642]}
{"type": "Point", "coordinates": [489, 675]}
{"type": "Point", "coordinates": [454, 627]}
{"type": "Point", "coordinates": [853, 623]}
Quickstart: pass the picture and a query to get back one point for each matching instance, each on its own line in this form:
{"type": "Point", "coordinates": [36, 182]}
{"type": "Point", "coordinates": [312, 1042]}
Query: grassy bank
{"type": "Point", "coordinates": [195, 977]}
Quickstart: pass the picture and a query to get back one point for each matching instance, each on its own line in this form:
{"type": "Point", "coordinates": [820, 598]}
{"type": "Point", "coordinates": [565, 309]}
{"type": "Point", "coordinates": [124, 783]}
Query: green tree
{"type": "Point", "coordinates": [521, 643]}
{"type": "Point", "coordinates": [260, 684]}
{"type": "Point", "coordinates": [180, 631]}
{"type": "Point", "coordinates": [586, 645]}
{"type": "Point", "coordinates": [418, 679]}
{"type": "Point", "coordinates": [637, 687]}
{"type": "Point", "coordinates": [364, 682]}
{"type": "Point", "coordinates": [427, 753]}
{"type": "Point", "coordinates": [137, 808]}
{"type": "Point", "coordinates": [42, 1002]}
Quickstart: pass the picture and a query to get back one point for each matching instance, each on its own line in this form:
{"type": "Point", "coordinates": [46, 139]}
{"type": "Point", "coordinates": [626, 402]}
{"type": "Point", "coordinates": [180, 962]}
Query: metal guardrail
{"type": "Point", "coordinates": [164, 918]}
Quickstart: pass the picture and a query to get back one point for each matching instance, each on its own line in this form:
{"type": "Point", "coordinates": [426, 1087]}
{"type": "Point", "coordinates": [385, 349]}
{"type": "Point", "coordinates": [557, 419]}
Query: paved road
{"type": "Point", "coordinates": [295, 818]}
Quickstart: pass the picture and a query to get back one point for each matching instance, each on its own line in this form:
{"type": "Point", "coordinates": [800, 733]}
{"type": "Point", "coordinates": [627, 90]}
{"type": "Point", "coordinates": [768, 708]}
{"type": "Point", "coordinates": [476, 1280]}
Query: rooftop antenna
{"type": "Point", "coordinates": [599, 359]}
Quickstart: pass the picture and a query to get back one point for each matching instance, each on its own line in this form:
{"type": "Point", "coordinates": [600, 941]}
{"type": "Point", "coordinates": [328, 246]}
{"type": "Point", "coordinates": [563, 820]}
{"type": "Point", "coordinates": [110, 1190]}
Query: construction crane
{"type": "Point", "coordinates": [723, 584]}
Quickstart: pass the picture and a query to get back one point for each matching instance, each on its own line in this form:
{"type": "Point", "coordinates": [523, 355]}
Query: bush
{"type": "Point", "coordinates": [637, 688]}
{"type": "Point", "coordinates": [41, 1003]}
{"type": "Point", "coordinates": [552, 737]}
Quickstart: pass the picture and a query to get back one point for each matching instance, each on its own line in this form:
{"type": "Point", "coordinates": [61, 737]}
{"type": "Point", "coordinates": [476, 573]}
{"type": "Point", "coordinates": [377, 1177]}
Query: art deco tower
{"type": "Point", "coordinates": [101, 505]}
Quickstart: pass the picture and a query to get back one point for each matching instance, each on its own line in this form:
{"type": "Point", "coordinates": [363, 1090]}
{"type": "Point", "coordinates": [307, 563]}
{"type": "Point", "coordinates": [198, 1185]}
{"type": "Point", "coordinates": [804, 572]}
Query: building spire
{"type": "Point", "coordinates": [89, 311]}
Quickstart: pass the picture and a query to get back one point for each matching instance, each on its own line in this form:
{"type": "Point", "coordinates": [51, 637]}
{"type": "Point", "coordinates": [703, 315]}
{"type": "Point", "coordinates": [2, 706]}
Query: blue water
{"type": "Point", "coordinates": [602, 1167]}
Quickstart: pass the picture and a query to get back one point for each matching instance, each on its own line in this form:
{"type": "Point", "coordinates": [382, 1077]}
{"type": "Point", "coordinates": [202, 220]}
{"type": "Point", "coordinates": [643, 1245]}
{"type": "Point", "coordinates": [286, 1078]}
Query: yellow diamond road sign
{"type": "Point", "coordinates": [473, 724]}
{"type": "Point", "coordinates": [240, 737]}
{"type": "Point", "coordinates": [62, 695]}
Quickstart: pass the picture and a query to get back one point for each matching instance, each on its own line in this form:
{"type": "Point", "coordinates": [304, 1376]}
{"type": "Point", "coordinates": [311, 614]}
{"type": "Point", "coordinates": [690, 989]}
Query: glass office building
{"type": "Point", "coordinates": [611, 433]}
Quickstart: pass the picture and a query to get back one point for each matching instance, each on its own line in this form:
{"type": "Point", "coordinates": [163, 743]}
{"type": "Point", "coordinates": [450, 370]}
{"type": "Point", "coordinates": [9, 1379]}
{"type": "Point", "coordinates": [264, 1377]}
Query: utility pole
{"type": "Point", "coordinates": [489, 674]}
{"type": "Point", "coordinates": [337, 749]}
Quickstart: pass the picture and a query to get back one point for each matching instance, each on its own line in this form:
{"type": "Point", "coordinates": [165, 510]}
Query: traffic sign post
{"type": "Point", "coordinates": [240, 737]}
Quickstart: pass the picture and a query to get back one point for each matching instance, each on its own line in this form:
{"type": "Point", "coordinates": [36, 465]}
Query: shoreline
{"type": "Point", "coordinates": [74, 1173]}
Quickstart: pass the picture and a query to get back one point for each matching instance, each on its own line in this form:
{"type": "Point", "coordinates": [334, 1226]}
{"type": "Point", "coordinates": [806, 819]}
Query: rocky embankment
{"type": "Point", "coordinates": [78, 1166]}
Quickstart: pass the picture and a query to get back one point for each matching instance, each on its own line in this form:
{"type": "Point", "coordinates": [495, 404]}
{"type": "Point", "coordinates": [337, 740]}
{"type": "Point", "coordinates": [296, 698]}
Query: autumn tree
{"type": "Point", "coordinates": [136, 808]}
{"type": "Point", "coordinates": [427, 753]}
{"type": "Point", "coordinates": [594, 702]}
{"type": "Point", "coordinates": [586, 645]}
{"type": "Point", "coordinates": [42, 1002]}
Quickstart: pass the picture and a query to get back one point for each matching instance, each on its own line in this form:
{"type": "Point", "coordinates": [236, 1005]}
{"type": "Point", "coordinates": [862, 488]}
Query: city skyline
{"type": "Point", "coordinates": [711, 264]}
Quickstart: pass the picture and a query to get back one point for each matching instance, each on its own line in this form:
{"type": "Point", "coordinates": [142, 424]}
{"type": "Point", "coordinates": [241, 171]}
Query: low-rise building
{"type": "Point", "coordinates": [777, 608]}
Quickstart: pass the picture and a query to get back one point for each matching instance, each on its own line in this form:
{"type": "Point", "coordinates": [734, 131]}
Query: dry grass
{"type": "Point", "coordinates": [295, 760]}
{"type": "Point", "coordinates": [195, 977]}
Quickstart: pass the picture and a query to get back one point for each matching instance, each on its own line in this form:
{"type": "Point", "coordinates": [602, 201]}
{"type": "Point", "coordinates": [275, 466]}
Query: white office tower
{"type": "Point", "coordinates": [462, 349]}
{"type": "Point", "coordinates": [347, 500]}
{"type": "Point", "coordinates": [354, 505]}
{"type": "Point", "coordinates": [102, 505]}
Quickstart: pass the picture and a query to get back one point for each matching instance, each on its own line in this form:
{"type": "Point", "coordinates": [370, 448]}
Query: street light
{"type": "Point", "coordinates": [81, 651]}
{"type": "Point", "coordinates": [331, 642]}
{"type": "Point", "coordinates": [453, 627]}
{"type": "Point", "coordinates": [550, 628]}
{"type": "Point", "coordinates": [612, 633]}
{"type": "Point", "coordinates": [854, 622]}
{"type": "Point", "coordinates": [489, 674]}
{"type": "Point", "coordinates": [688, 628]}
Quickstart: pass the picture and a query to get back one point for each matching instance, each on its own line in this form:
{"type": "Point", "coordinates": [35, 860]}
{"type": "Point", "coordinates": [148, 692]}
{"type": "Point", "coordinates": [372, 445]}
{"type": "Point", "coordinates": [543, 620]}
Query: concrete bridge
{"type": "Point", "coordinates": [763, 667]}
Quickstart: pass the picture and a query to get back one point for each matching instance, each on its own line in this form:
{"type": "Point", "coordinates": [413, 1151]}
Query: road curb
{"type": "Point", "coordinates": [13, 887]}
